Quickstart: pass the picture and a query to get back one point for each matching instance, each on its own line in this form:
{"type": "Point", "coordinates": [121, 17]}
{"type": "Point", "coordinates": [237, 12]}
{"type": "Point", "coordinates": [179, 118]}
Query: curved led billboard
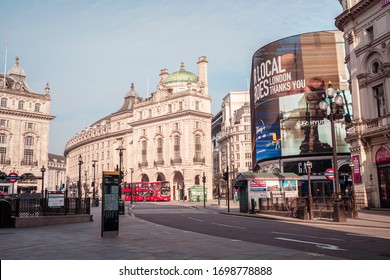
{"type": "Point", "coordinates": [288, 80]}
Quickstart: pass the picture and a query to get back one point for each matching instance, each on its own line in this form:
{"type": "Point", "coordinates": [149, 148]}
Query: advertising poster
{"type": "Point", "coordinates": [258, 188]}
{"type": "Point", "coordinates": [290, 188]}
{"type": "Point", "coordinates": [288, 80]}
{"type": "Point", "coordinates": [274, 188]}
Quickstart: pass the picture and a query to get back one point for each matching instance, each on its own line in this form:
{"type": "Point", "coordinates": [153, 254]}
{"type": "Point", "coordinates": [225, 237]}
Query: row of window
{"type": "Point", "coordinates": [28, 150]}
{"type": "Point", "coordinates": [21, 104]}
{"type": "Point", "coordinates": [176, 148]}
{"type": "Point", "coordinates": [4, 123]}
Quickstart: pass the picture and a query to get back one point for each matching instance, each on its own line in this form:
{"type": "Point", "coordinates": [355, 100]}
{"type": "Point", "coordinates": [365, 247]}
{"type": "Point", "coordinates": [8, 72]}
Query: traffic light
{"type": "Point", "coordinates": [204, 179]}
{"type": "Point", "coordinates": [226, 176]}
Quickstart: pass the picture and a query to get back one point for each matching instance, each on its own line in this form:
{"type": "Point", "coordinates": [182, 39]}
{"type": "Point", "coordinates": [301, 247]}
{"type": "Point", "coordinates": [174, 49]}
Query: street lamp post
{"type": "Point", "coordinates": [309, 166]}
{"type": "Point", "coordinates": [79, 182]}
{"type": "Point", "coordinates": [334, 113]}
{"type": "Point", "coordinates": [43, 170]}
{"type": "Point", "coordinates": [204, 188]}
{"type": "Point", "coordinates": [120, 149]}
{"type": "Point", "coordinates": [94, 181]}
{"type": "Point", "coordinates": [354, 211]}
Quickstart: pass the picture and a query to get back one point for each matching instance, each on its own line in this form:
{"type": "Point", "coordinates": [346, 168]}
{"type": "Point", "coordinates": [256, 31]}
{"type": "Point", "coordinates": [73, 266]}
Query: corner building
{"type": "Point", "coordinates": [166, 137]}
{"type": "Point", "coordinates": [289, 78]}
{"type": "Point", "coordinates": [365, 24]}
{"type": "Point", "coordinates": [24, 132]}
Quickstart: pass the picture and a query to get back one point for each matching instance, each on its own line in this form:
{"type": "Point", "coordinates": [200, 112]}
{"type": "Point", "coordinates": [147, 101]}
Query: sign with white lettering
{"type": "Point", "coordinates": [55, 199]}
{"type": "Point", "coordinates": [288, 80]}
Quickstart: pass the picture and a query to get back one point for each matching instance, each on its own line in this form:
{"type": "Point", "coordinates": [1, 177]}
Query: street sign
{"type": "Point", "coordinates": [12, 177]}
{"type": "Point", "coordinates": [110, 204]}
{"type": "Point", "coordinates": [329, 173]}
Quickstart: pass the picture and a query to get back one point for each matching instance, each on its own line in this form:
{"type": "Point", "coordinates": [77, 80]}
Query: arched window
{"type": "Point", "coordinates": [197, 105]}
{"type": "Point", "coordinates": [197, 180]}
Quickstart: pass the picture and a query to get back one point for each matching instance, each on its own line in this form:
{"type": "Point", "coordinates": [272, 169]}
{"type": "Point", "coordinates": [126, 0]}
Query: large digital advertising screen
{"type": "Point", "coordinates": [288, 80]}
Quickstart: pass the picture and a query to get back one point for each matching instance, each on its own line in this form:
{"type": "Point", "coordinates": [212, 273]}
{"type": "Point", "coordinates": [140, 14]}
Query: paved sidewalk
{"type": "Point", "coordinates": [137, 240]}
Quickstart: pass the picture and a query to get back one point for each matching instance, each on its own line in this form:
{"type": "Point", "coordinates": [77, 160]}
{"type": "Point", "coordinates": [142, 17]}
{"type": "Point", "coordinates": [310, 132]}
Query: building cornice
{"type": "Point", "coordinates": [174, 115]}
{"type": "Point", "coordinates": [351, 14]}
{"type": "Point", "coordinates": [115, 134]}
{"type": "Point", "coordinates": [26, 114]}
{"type": "Point", "coordinates": [25, 94]}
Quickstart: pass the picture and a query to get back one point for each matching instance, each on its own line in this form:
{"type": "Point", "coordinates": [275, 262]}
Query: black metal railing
{"type": "Point", "coordinates": [298, 207]}
{"type": "Point", "coordinates": [38, 207]}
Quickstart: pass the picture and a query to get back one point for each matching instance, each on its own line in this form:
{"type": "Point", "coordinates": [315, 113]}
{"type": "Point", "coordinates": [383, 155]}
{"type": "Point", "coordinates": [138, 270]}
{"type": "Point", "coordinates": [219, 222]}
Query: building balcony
{"type": "Point", "coordinates": [370, 128]}
{"type": "Point", "coordinates": [29, 162]}
{"type": "Point", "coordinates": [159, 163]}
{"type": "Point", "coordinates": [143, 164]}
{"type": "Point", "coordinates": [176, 161]}
{"type": "Point", "coordinates": [199, 160]}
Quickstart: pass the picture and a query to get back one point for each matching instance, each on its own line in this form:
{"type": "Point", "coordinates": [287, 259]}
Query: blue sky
{"type": "Point", "coordinates": [91, 51]}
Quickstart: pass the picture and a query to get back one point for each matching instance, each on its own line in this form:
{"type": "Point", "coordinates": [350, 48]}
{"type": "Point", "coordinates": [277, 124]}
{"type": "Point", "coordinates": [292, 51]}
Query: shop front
{"type": "Point", "coordinates": [382, 159]}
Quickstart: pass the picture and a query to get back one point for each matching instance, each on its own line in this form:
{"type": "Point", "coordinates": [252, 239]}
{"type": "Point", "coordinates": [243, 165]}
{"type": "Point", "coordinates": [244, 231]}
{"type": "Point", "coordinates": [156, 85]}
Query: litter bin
{"type": "Point", "coordinates": [5, 213]}
{"type": "Point", "coordinates": [121, 207]}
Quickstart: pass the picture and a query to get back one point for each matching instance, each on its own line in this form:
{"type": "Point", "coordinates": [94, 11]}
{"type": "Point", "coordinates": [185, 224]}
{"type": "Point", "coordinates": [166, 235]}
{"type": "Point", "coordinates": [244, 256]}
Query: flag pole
{"type": "Point", "coordinates": [5, 64]}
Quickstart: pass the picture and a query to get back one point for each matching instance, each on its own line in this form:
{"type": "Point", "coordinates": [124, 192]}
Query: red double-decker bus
{"type": "Point", "coordinates": [147, 191]}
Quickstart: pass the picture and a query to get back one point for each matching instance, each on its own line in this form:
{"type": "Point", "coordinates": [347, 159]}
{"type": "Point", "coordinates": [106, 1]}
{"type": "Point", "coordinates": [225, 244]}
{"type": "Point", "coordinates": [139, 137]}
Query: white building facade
{"type": "Point", "coordinates": [166, 137]}
{"type": "Point", "coordinates": [56, 172]}
{"type": "Point", "coordinates": [24, 132]}
{"type": "Point", "coordinates": [365, 24]}
{"type": "Point", "coordinates": [234, 139]}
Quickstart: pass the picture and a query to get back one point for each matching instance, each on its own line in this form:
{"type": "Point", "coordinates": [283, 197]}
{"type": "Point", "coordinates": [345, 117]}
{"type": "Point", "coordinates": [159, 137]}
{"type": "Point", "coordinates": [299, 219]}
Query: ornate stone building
{"type": "Point", "coordinates": [166, 136]}
{"type": "Point", "coordinates": [365, 24]}
{"type": "Point", "coordinates": [56, 172]}
{"type": "Point", "coordinates": [233, 140]}
{"type": "Point", "coordinates": [24, 132]}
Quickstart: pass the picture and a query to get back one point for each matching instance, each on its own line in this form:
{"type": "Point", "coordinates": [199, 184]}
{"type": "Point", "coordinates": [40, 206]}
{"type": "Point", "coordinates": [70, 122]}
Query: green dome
{"type": "Point", "coordinates": [181, 76]}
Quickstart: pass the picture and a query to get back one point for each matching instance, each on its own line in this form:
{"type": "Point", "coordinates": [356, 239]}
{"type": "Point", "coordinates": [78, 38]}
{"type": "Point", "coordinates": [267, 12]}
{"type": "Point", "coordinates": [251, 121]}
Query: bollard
{"type": "Point", "coordinates": [338, 212]}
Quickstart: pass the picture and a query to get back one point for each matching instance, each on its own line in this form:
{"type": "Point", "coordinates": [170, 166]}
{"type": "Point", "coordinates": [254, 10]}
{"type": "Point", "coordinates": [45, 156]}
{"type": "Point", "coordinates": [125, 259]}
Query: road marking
{"type": "Point", "coordinates": [312, 236]}
{"type": "Point", "coordinates": [222, 225]}
{"type": "Point", "coordinates": [356, 234]}
{"type": "Point", "coordinates": [319, 245]}
{"type": "Point", "coordinates": [199, 220]}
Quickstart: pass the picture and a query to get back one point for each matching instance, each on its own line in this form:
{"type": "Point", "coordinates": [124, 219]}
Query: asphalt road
{"type": "Point", "coordinates": [346, 243]}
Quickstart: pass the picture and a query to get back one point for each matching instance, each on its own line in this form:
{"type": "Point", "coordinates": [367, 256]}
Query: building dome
{"type": "Point", "coordinates": [181, 76]}
{"type": "Point", "coordinates": [132, 91]}
{"type": "Point", "coordinates": [16, 70]}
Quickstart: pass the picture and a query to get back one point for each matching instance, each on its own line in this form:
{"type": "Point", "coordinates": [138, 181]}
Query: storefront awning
{"type": "Point", "coordinates": [246, 176]}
